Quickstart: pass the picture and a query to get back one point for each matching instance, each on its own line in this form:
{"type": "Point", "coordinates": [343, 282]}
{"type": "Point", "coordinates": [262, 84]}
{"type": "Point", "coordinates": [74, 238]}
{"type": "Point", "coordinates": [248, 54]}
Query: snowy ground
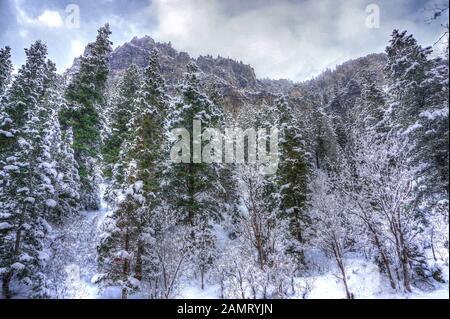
{"type": "Point", "coordinates": [364, 278]}
{"type": "Point", "coordinates": [366, 282]}
{"type": "Point", "coordinates": [89, 230]}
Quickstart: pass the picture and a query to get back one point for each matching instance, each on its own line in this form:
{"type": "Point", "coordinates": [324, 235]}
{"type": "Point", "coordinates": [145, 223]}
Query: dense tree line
{"type": "Point", "coordinates": [367, 178]}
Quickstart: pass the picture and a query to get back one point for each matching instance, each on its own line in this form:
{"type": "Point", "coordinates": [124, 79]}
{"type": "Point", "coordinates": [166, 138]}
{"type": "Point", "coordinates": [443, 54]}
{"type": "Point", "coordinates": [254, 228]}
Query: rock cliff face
{"type": "Point", "coordinates": [236, 81]}
{"type": "Point", "coordinates": [173, 63]}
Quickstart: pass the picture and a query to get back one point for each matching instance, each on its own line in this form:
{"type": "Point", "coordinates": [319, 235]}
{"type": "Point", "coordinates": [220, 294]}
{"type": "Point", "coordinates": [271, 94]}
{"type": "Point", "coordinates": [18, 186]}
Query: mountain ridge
{"type": "Point", "coordinates": [234, 80]}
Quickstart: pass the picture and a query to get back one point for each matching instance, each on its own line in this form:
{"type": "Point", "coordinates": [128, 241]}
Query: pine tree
{"type": "Point", "coordinates": [146, 142]}
{"type": "Point", "coordinates": [139, 164]}
{"type": "Point", "coordinates": [118, 247]}
{"type": "Point", "coordinates": [192, 184]}
{"type": "Point", "coordinates": [29, 173]}
{"type": "Point", "coordinates": [5, 69]}
{"type": "Point", "coordinates": [65, 169]}
{"type": "Point", "coordinates": [86, 96]}
{"type": "Point", "coordinates": [123, 103]}
{"type": "Point", "coordinates": [6, 135]}
{"type": "Point", "coordinates": [227, 192]}
{"type": "Point", "coordinates": [293, 171]}
{"type": "Point", "coordinates": [417, 89]}
{"type": "Point", "coordinates": [68, 180]}
{"type": "Point", "coordinates": [369, 112]}
{"type": "Point", "coordinates": [324, 142]}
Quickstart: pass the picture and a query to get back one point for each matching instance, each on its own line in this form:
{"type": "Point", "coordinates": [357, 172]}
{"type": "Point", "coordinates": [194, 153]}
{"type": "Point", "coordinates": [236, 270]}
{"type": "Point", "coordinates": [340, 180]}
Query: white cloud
{"type": "Point", "coordinates": [294, 39]}
{"type": "Point", "coordinates": [48, 18]}
{"type": "Point", "coordinates": [77, 47]}
{"type": "Point", "coordinates": [51, 19]}
{"type": "Point", "coordinates": [280, 39]}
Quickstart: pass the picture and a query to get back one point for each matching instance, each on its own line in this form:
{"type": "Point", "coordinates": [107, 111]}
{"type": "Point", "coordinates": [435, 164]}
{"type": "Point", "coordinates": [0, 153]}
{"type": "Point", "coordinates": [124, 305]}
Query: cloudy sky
{"type": "Point", "coordinates": [294, 39]}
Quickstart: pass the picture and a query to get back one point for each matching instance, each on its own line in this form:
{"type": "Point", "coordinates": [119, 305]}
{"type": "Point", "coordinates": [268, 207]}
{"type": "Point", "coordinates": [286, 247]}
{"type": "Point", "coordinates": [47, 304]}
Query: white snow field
{"type": "Point", "coordinates": [364, 278]}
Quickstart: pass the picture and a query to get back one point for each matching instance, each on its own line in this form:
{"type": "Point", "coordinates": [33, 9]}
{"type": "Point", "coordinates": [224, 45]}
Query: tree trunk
{"type": "Point", "coordinates": [338, 256]}
{"type": "Point", "coordinates": [138, 269]}
{"type": "Point", "coordinates": [124, 293]}
{"type": "Point", "coordinates": [405, 268]}
{"type": "Point", "coordinates": [190, 195]}
{"type": "Point", "coordinates": [299, 237]}
{"type": "Point", "coordinates": [202, 275]}
{"type": "Point", "coordinates": [432, 245]}
{"type": "Point", "coordinates": [402, 254]}
{"type": "Point", "coordinates": [5, 285]}
{"type": "Point", "coordinates": [369, 223]}
{"type": "Point", "coordinates": [6, 280]}
{"type": "Point", "coordinates": [383, 257]}
{"type": "Point", "coordinates": [344, 279]}
{"type": "Point", "coordinates": [125, 265]}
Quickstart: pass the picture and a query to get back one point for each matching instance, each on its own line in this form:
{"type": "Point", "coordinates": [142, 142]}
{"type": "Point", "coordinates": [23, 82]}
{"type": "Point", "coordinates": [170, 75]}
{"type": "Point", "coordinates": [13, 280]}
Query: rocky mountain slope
{"type": "Point", "coordinates": [237, 82]}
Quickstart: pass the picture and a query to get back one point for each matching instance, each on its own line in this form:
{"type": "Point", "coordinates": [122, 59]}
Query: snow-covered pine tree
{"type": "Point", "coordinates": [145, 147]}
{"type": "Point", "coordinates": [139, 164]}
{"type": "Point", "coordinates": [418, 107]}
{"type": "Point", "coordinates": [319, 137]}
{"type": "Point", "coordinates": [5, 120]}
{"type": "Point", "coordinates": [122, 109]}
{"type": "Point", "coordinates": [227, 194]}
{"type": "Point", "coordinates": [118, 247]}
{"type": "Point", "coordinates": [86, 96]}
{"type": "Point", "coordinates": [370, 108]}
{"type": "Point", "coordinates": [146, 141]}
{"type": "Point", "coordinates": [29, 171]}
{"type": "Point", "coordinates": [293, 171]}
{"type": "Point", "coordinates": [192, 185]}
{"type": "Point", "coordinates": [324, 140]}
{"type": "Point", "coordinates": [65, 169]}
{"type": "Point", "coordinates": [5, 69]}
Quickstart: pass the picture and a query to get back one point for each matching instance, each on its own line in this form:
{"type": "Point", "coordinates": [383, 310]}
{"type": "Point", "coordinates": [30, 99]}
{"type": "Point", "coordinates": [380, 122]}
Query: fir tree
{"type": "Point", "coordinates": [139, 164]}
{"type": "Point", "coordinates": [146, 143]}
{"type": "Point", "coordinates": [86, 95]}
{"type": "Point", "coordinates": [29, 172]}
{"type": "Point", "coordinates": [369, 113]}
{"type": "Point", "coordinates": [293, 170]}
{"type": "Point", "coordinates": [418, 86]}
{"type": "Point", "coordinates": [118, 247]}
{"type": "Point", "coordinates": [5, 69]}
{"type": "Point", "coordinates": [192, 184]}
{"type": "Point", "coordinates": [68, 180]}
{"type": "Point", "coordinates": [123, 103]}
{"type": "Point", "coordinates": [65, 169]}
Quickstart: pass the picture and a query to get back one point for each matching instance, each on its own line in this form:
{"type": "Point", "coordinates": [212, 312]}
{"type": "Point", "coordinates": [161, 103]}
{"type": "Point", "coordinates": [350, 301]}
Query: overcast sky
{"type": "Point", "coordinates": [294, 39]}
